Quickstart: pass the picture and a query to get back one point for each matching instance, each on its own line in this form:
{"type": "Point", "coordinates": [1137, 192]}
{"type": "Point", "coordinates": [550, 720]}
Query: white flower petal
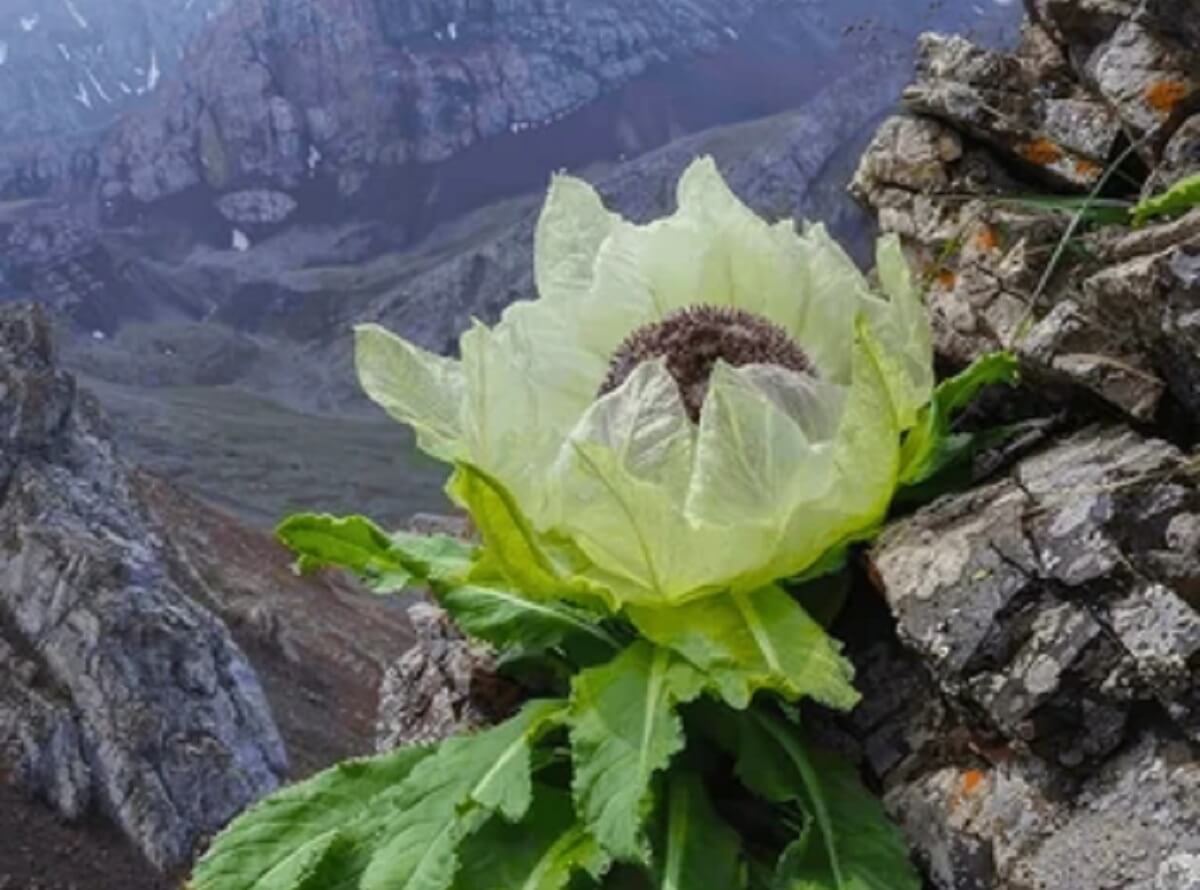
{"type": "Point", "coordinates": [415, 387]}
{"type": "Point", "coordinates": [571, 229]}
{"type": "Point", "coordinates": [754, 459]}
{"type": "Point", "coordinates": [622, 478]}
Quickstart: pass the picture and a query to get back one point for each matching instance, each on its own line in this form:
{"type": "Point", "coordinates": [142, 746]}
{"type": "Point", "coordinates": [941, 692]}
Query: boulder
{"type": "Point", "coordinates": [256, 207]}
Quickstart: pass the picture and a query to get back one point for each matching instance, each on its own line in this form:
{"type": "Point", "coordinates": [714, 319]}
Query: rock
{"type": "Point", "coordinates": [975, 251]}
{"type": "Point", "coordinates": [319, 643]}
{"type": "Point", "coordinates": [256, 207]}
{"type": "Point", "coordinates": [444, 685]}
{"type": "Point", "coordinates": [133, 696]}
{"type": "Point", "coordinates": [1180, 157]}
{"type": "Point", "coordinates": [1134, 333]}
{"type": "Point", "coordinates": [1043, 738]}
{"type": "Point", "coordinates": [1065, 134]}
{"type": "Point", "coordinates": [1133, 826]}
{"type": "Point", "coordinates": [1072, 345]}
{"type": "Point", "coordinates": [1041, 601]}
{"type": "Point", "coordinates": [1139, 56]}
{"type": "Point", "coordinates": [1144, 75]}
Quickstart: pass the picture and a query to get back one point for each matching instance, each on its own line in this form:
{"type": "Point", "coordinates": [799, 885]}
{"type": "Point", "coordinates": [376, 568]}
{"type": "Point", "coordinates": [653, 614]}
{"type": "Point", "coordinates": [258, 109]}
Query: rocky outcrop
{"type": "Point", "coordinates": [1085, 301]}
{"type": "Point", "coordinates": [155, 655]}
{"type": "Point", "coordinates": [1036, 723]}
{"type": "Point", "coordinates": [119, 693]}
{"type": "Point", "coordinates": [1055, 612]}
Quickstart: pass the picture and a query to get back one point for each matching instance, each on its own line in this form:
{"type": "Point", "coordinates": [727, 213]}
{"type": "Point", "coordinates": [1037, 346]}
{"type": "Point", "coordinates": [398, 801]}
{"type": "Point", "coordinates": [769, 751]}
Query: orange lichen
{"type": "Point", "coordinates": [1088, 169]}
{"type": "Point", "coordinates": [971, 781]}
{"type": "Point", "coordinates": [1164, 95]}
{"type": "Point", "coordinates": [1041, 151]}
{"type": "Point", "coordinates": [946, 278]}
{"type": "Point", "coordinates": [987, 239]}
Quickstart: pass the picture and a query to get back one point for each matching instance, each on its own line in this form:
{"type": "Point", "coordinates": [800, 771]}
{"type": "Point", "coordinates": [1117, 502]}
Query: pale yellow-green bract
{"type": "Point", "coordinates": [654, 509]}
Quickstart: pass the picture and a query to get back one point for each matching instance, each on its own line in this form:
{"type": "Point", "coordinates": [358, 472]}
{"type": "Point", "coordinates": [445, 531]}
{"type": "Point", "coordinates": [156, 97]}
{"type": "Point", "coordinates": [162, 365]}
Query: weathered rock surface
{"type": "Point", "coordinates": [119, 691]}
{"type": "Point", "coordinates": [980, 254]}
{"type": "Point", "coordinates": [1139, 57]}
{"type": "Point", "coordinates": [1107, 310]}
{"type": "Point", "coordinates": [122, 692]}
{"type": "Point", "coordinates": [1049, 124]}
{"type": "Point", "coordinates": [1055, 613]}
{"type": "Point", "coordinates": [444, 685]}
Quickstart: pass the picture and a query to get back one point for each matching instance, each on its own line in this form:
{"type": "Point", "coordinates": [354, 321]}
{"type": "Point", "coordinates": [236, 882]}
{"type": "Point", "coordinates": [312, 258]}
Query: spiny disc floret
{"type": "Point", "coordinates": [691, 341]}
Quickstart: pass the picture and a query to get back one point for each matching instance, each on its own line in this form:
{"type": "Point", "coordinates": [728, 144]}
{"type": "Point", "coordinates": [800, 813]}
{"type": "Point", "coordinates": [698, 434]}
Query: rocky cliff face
{"type": "Point", "coordinates": [70, 69]}
{"type": "Point", "coordinates": [308, 104]}
{"type": "Point", "coordinates": [126, 614]}
{"type": "Point", "coordinates": [1045, 734]}
{"type": "Point", "coordinates": [249, 113]}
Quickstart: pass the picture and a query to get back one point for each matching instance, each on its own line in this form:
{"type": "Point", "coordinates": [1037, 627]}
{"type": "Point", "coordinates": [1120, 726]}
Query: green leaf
{"type": "Point", "coordinates": [754, 641]}
{"type": "Point", "coordinates": [392, 823]}
{"type": "Point", "coordinates": [1182, 196]}
{"type": "Point", "coordinates": [511, 545]}
{"type": "Point", "coordinates": [510, 622]}
{"type": "Point", "coordinates": [1101, 211]}
{"type": "Point", "coordinates": [930, 447]}
{"type": "Point", "coordinates": [696, 850]}
{"type": "Point", "coordinates": [449, 796]}
{"type": "Point", "coordinates": [436, 559]}
{"type": "Point", "coordinates": [388, 563]}
{"type": "Point", "coordinates": [851, 844]}
{"type": "Point", "coordinates": [542, 852]}
{"type": "Point", "coordinates": [624, 730]}
{"type": "Point", "coordinates": [273, 844]}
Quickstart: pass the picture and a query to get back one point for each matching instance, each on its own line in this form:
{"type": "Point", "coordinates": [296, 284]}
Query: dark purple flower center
{"type": "Point", "coordinates": [692, 340]}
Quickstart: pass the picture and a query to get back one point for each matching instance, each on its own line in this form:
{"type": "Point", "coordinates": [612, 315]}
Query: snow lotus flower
{"type": "Point", "coordinates": [706, 403]}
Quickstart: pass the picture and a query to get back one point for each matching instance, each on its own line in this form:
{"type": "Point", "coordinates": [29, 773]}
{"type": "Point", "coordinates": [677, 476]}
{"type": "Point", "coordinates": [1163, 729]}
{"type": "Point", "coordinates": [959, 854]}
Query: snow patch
{"type": "Point", "coordinates": [28, 23]}
{"type": "Point", "coordinates": [452, 30]}
{"type": "Point", "coordinates": [314, 158]}
{"type": "Point", "coordinates": [97, 86]}
{"type": "Point", "coordinates": [241, 241]}
{"type": "Point", "coordinates": [81, 96]}
{"type": "Point", "coordinates": [153, 74]}
{"type": "Point", "coordinates": [3, 52]}
{"type": "Point", "coordinates": [75, 14]}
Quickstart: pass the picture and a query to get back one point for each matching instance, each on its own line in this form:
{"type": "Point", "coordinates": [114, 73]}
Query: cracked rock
{"type": "Point", "coordinates": [1040, 732]}
{"type": "Point", "coordinates": [980, 256]}
{"type": "Point", "coordinates": [1066, 136]}
{"type": "Point", "coordinates": [1041, 602]}
{"type": "Point", "coordinates": [444, 685]}
{"type": "Point", "coordinates": [117, 691]}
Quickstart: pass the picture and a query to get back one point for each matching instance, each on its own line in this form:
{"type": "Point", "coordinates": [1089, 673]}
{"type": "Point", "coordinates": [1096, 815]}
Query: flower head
{"type": "Point", "coordinates": [705, 403]}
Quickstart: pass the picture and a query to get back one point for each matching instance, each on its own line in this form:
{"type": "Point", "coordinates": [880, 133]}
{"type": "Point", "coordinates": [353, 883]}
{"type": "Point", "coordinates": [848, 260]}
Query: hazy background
{"type": "Point", "coordinates": [207, 194]}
